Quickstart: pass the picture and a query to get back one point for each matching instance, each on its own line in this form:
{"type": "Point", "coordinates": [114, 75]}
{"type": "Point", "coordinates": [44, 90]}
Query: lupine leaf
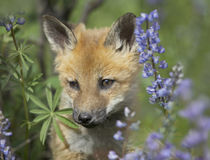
{"type": "Point", "coordinates": [24, 62]}
{"type": "Point", "coordinates": [56, 97]}
{"type": "Point", "coordinates": [28, 59]}
{"type": "Point", "coordinates": [58, 130]}
{"type": "Point", "coordinates": [65, 111]}
{"type": "Point", "coordinates": [40, 118]}
{"type": "Point", "coordinates": [49, 97]}
{"type": "Point", "coordinates": [30, 89]}
{"type": "Point", "coordinates": [38, 102]}
{"type": "Point", "coordinates": [38, 111]}
{"type": "Point", "coordinates": [44, 129]}
{"type": "Point", "coordinates": [37, 77]}
{"type": "Point", "coordinates": [66, 121]}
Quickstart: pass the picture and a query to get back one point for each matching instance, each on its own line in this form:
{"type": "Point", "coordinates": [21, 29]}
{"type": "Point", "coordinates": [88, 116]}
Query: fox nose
{"type": "Point", "coordinates": [84, 118]}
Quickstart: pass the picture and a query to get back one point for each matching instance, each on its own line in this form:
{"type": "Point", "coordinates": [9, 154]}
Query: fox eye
{"type": "Point", "coordinates": [106, 83]}
{"type": "Point", "coordinates": [74, 85]}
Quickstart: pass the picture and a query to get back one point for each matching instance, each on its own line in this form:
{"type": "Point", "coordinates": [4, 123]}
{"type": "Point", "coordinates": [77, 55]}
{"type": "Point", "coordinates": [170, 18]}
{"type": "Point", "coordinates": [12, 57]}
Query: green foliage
{"type": "Point", "coordinates": [184, 33]}
{"type": "Point", "coordinates": [49, 114]}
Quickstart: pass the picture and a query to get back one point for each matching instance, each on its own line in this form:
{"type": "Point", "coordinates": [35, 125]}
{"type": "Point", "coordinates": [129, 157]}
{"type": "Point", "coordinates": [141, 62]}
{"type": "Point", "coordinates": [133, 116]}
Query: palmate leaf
{"type": "Point", "coordinates": [40, 118]}
{"type": "Point", "coordinates": [56, 97]}
{"type": "Point", "coordinates": [28, 59]}
{"type": "Point", "coordinates": [58, 130]}
{"type": "Point", "coordinates": [38, 111]}
{"type": "Point", "coordinates": [65, 111]}
{"type": "Point", "coordinates": [66, 121]}
{"type": "Point", "coordinates": [24, 62]}
{"type": "Point", "coordinates": [44, 129]}
{"type": "Point", "coordinates": [49, 98]}
{"type": "Point", "coordinates": [38, 102]}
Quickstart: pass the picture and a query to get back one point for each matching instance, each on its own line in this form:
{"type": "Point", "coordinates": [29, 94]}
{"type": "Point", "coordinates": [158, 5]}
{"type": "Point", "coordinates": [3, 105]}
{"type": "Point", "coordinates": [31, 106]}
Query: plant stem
{"type": "Point", "coordinates": [125, 142]}
{"type": "Point", "coordinates": [23, 94]}
{"type": "Point", "coordinates": [165, 112]}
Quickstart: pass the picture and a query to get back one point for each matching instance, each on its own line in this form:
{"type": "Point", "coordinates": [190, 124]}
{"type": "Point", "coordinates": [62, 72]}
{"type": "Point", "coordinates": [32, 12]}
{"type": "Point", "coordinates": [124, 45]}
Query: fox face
{"type": "Point", "coordinates": [97, 67]}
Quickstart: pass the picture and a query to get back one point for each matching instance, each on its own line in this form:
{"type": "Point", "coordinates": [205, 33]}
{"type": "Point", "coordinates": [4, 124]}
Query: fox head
{"type": "Point", "coordinates": [97, 67]}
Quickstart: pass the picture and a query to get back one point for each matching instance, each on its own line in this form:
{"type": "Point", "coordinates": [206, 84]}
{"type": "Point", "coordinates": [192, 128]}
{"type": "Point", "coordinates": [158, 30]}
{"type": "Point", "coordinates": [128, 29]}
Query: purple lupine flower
{"type": "Point", "coordinates": [20, 21]}
{"type": "Point", "coordinates": [133, 156]}
{"type": "Point", "coordinates": [128, 113]}
{"type": "Point", "coordinates": [183, 155]}
{"type": "Point", "coordinates": [148, 70]}
{"type": "Point", "coordinates": [204, 123]}
{"type": "Point", "coordinates": [148, 45]}
{"type": "Point", "coordinates": [156, 59]}
{"type": "Point", "coordinates": [9, 22]}
{"type": "Point", "coordinates": [118, 136]}
{"type": "Point", "coordinates": [163, 92]}
{"type": "Point", "coordinates": [194, 110]}
{"type": "Point", "coordinates": [161, 50]}
{"type": "Point", "coordinates": [135, 125]}
{"type": "Point", "coordinates": [184, 90]}
{"type": "Point", "coordinates": [12, 19]}
{"type": "Point", "coordinates": [153, 99]}
{"type": "Point", "coordinates": [150, 89]}
{"type": "Point", "coordinates": [112, 155]}
{"type": "Point", "coordinates": [8, 27]}
{"type": "Point", "coordinates": [194, 138]}
{"type": "Point", "coordinates": [144, 57]}
{"type": "Point", "coordinates": [2, 143]}
{"type": "Point", "coordinates": [163, 64]}
{"type": "Point", "coordinates": [5, 150]}
{"type": "Point", "coordinates": [153, 15]}
{"type": "Point", "coordinates": [152, 141]}
{"type": "Point", "coordinates": [120, 124]}
{"type": "Point", "coordinates": [165, 153]}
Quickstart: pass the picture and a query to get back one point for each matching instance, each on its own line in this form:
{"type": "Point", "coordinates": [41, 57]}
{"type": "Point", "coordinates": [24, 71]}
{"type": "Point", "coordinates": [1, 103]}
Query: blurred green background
{"type": "Point", "coordinates": [185, 34]}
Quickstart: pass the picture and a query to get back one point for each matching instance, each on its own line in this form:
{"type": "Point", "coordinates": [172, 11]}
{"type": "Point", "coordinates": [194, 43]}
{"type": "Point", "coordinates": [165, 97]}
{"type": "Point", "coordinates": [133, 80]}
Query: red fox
{"type": "Point", "coordinates": [98, 71]}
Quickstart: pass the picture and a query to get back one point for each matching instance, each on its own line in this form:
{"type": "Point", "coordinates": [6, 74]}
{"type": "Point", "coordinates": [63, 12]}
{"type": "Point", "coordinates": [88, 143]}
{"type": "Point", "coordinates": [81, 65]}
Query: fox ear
{"type": "Point", "coordinates": [121, 33]}
{"type": "Point", "coordinates": [59, 35]}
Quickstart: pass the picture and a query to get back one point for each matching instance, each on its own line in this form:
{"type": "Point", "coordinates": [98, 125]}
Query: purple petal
{"type": "Point", "coordinates": [20, 21]}
{"type": "Point", "coordinates": [194, 138]}
{"type": "Point", "coordinates": [120, 124]}
{"type": "Point", "coordinates": [194, 110]}
{"type": "Point", "coordinates": [112, 155]}
{"type": "Point", "coordinates": [118, 136]}
{"type": "Point", "coordinates": [183, 155]}
{"type": "Point", "coordinates": [163, 92]}
{"type": "Point", "coordinates": [135, 126]}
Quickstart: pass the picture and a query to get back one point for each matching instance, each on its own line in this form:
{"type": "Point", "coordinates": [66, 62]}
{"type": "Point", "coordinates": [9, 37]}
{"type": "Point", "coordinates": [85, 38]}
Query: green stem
{"type": "Point", "coordinates": [165, 112]}
{"type": "Point", "coordinates": [23, 94]}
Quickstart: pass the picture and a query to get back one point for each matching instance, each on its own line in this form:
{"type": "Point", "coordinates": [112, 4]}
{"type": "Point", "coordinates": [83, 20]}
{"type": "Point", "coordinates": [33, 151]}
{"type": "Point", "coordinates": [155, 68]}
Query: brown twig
{"type": "Point", "coordinates": [89, 7]}
{"type": "Point", "coordinates": [29, 140]}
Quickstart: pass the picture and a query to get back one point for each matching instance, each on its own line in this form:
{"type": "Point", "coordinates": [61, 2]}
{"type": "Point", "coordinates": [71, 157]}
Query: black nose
{"type": "Point", "coordinates": [84, 118]}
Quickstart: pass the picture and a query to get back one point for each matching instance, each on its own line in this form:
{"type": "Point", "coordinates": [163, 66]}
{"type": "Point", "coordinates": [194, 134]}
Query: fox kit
{"type": "Point", "coordinates": [98, 71]}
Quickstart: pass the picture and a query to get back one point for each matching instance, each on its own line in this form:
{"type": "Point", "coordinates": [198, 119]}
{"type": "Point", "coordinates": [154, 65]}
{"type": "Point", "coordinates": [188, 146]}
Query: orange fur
{"type": "Point", "coordinates": [87, 62]}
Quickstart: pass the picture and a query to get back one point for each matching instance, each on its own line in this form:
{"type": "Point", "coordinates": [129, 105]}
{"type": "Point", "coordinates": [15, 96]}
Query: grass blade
{"type": "Point", "coordinates": [65, 111]}
{"type": "Point", "coordinates": [44, 129]}
{"type": "Point", "coordinates": [58, 130]}
{"type": "Point", "coordinates": [66, 121]}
